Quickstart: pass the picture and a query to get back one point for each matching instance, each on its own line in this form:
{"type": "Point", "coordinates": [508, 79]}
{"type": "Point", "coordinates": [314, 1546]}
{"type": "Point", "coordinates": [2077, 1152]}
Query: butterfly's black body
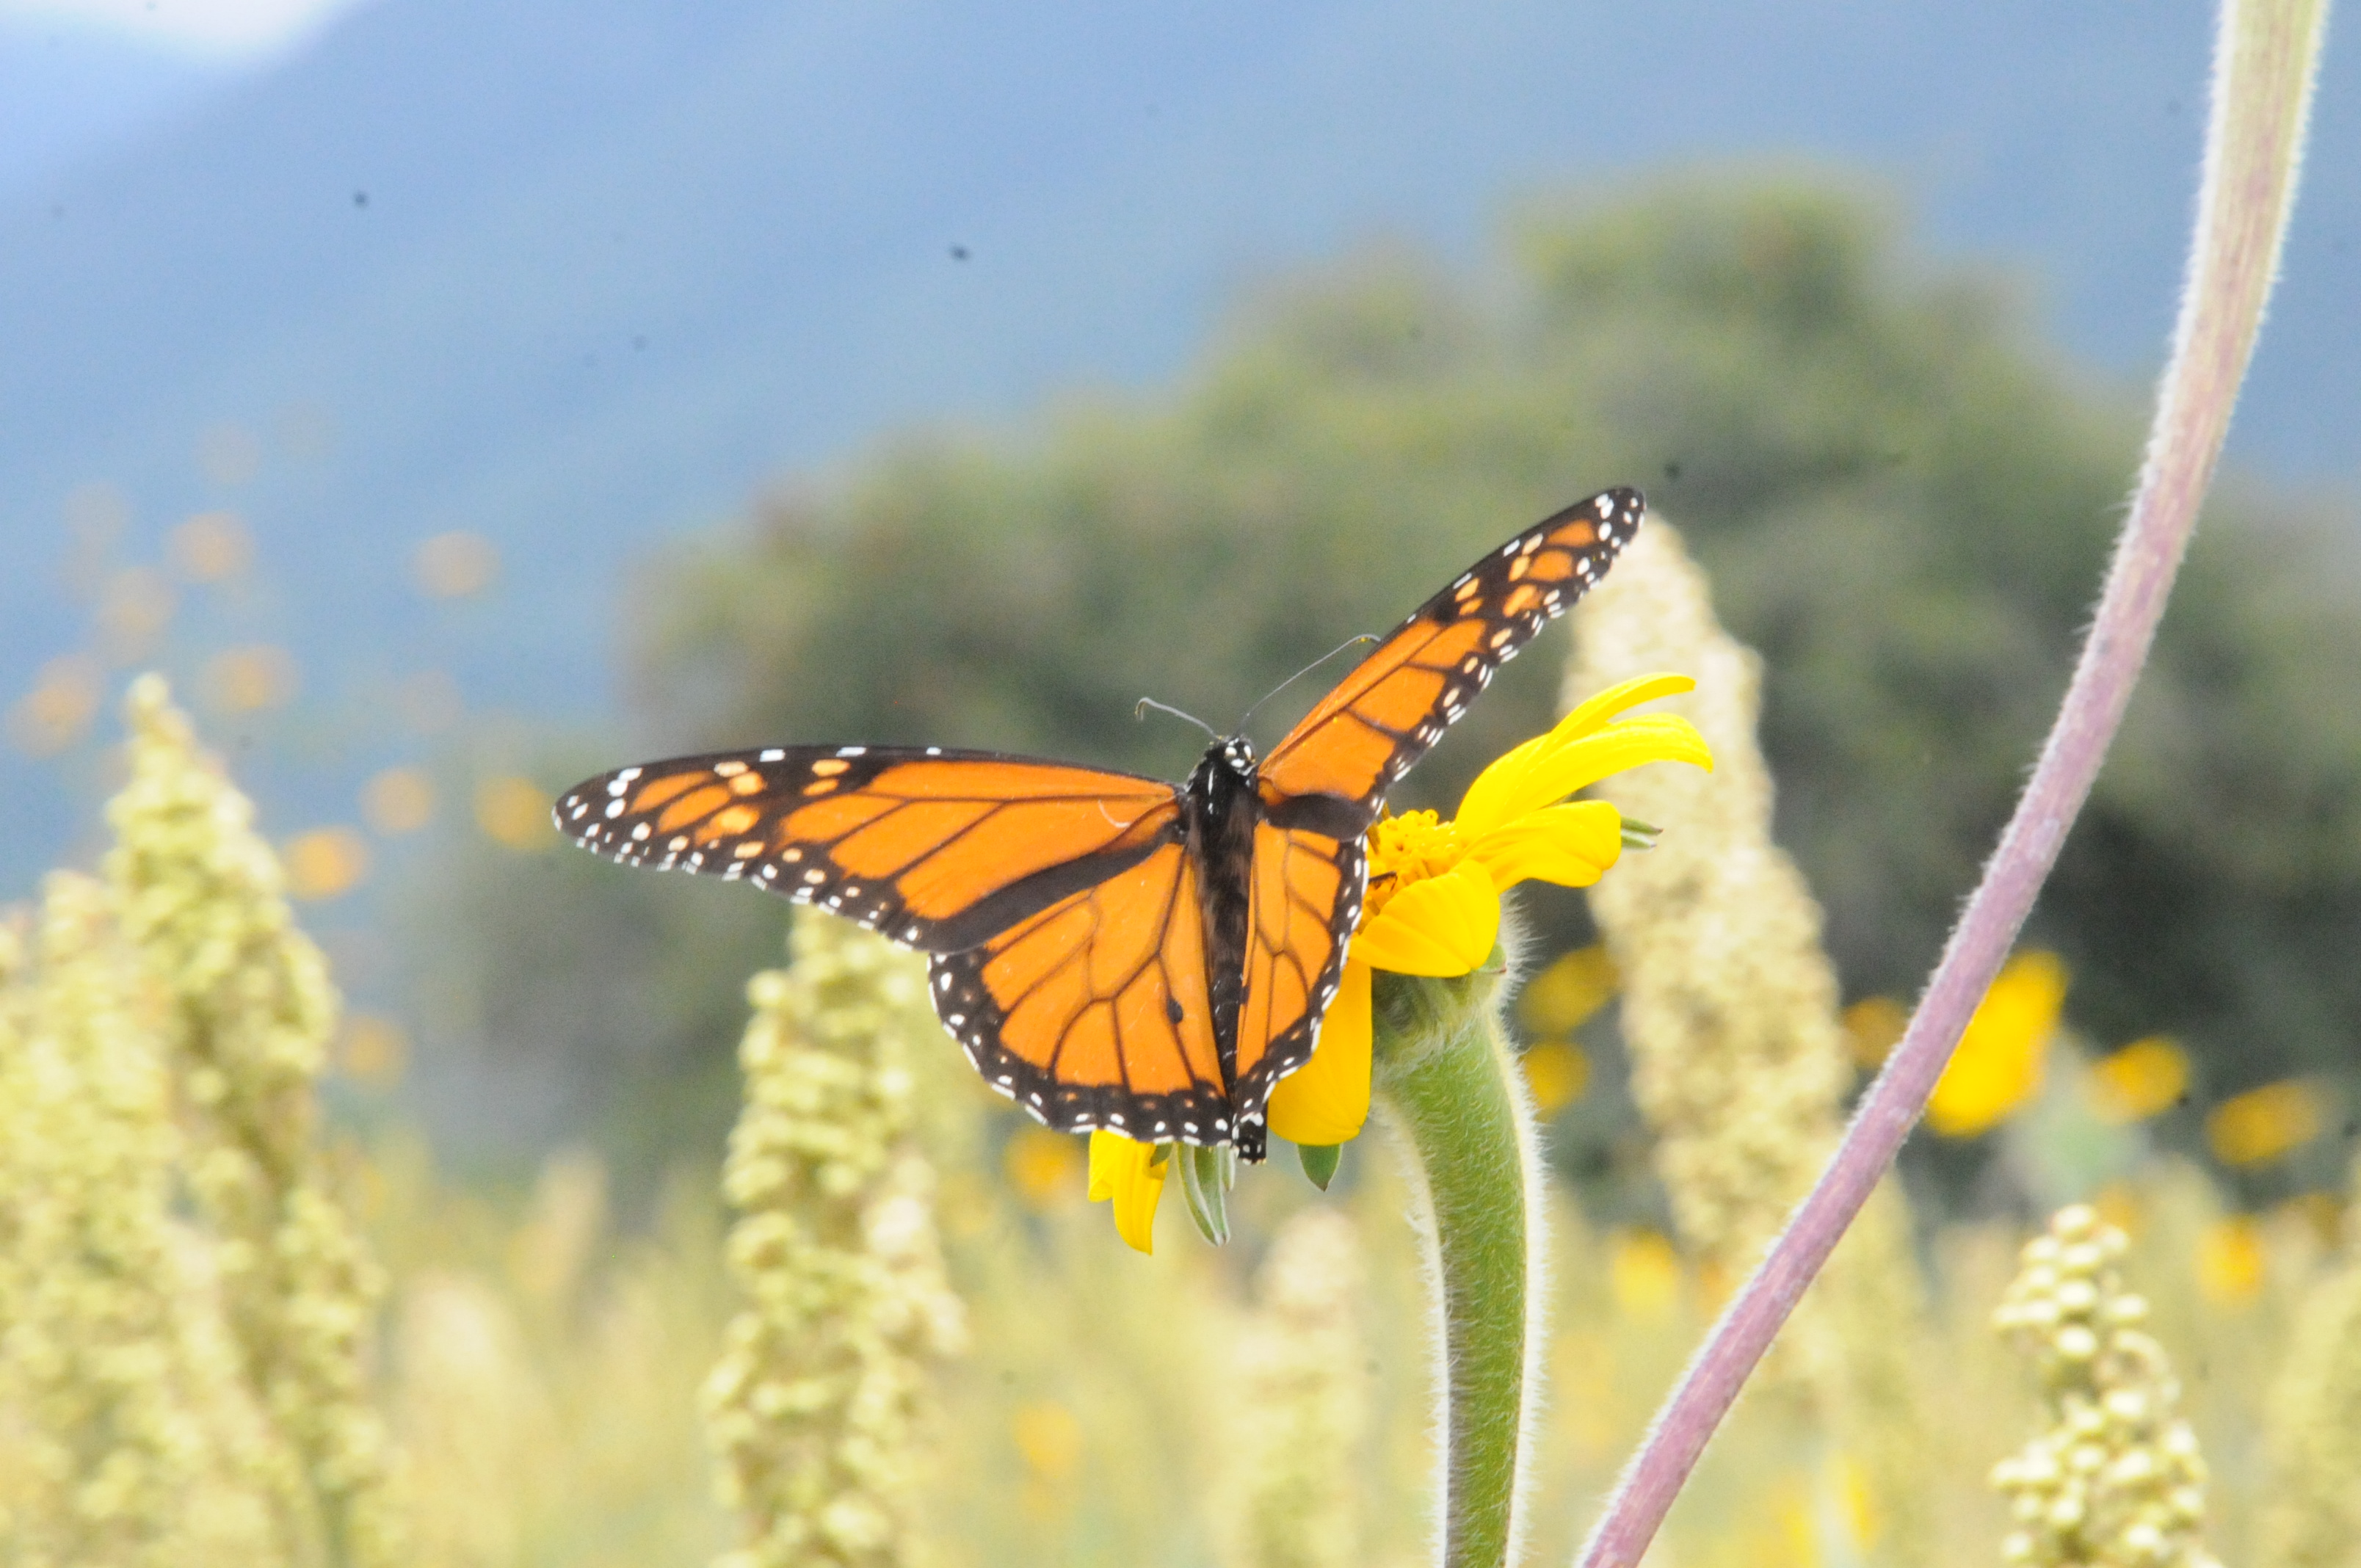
{"type": "Point", "coordinates": [1054, 898]}
{"type": "Point", "coordinates": [1219, 807]}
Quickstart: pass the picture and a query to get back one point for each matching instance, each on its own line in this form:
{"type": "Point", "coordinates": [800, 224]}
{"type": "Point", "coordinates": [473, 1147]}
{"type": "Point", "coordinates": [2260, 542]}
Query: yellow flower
{"type": "Point", "coordinates": [1998, 1065]}
{"type": "Point", "coordinates": [1434, 908]}
{"type": "Point", "coordinates": [2144, 1078]}
{"type": "Point", "coordinates": [1434, 903]}
{"type": "Point", "coordinates": [2264, 1123]}
{"type": "Point", "coordinates": [1131, 1177]}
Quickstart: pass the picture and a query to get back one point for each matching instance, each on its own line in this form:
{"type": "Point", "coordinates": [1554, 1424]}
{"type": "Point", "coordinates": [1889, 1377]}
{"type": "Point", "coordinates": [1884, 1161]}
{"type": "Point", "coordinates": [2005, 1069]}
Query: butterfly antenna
{"type": "Point", "coordinates": [1348, 642]}
{"type": "Point", "coordinates": [1148, 702]}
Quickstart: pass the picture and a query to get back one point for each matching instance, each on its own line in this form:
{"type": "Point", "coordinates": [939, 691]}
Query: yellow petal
{"type": "Point", "coordinates": [1550, 767]}
{"type": "Point", "coordinates": [1551, 774]}
{"type": "Point", "coordinates": [1489, 800]}
{"type": "Point", "coordinates": [1443, 926]}
{"type": "Point", "coordinates": [1493, 798]}
{"type": "Point", "coordinates": [1596, 710]}
{"type": "Point", "coordinates": [1324, 1101]}
{"type": "Point", "coordinates": [1131, 1176]}
{"type": "Point", "coordinates": [1569, 845]}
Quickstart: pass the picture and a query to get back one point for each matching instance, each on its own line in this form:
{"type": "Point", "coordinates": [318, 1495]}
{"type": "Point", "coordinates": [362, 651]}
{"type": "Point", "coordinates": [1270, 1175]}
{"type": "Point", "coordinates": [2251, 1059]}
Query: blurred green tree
{"type": "Point", "coordinates": [1903, 496]}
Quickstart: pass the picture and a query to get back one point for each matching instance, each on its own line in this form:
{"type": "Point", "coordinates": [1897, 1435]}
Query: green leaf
{"type": "Point", "coordinates": [1319, 1162]}
{"type": "Point", "coordinates": [1205, 1175]}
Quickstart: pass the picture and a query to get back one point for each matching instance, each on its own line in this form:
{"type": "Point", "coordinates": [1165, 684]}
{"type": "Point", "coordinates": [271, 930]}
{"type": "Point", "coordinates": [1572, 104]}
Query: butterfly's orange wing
{"type": "Point", "coordinates": [939, 850]}
{"type": "Point", "coordinates": [1094, 1012]}
{"type": "Point", "coordinates": [1397, 703]}
{"type": "Point", "coordinates": [1064, 911]}
{"type": "Point", "coordinates": [1060, 901]}
{"type": "Point", "coordinates": [1301, 905]}
{"type": "Point", "coordinates": [1324, 783]}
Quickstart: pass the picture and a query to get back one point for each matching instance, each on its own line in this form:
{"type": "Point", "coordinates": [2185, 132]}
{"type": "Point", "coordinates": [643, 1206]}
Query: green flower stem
{"type": "Point", "coordinates": [1451, 1089]}
{"type": "Point", "coordinates": [2264, 55]}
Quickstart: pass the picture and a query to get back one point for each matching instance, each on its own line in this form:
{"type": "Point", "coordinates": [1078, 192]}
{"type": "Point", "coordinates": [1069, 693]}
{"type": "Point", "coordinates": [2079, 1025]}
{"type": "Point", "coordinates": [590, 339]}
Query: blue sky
{"type": "Point", "coordinates": [577, 276]}
{"type": "Point", "coordinates": [239, 31]}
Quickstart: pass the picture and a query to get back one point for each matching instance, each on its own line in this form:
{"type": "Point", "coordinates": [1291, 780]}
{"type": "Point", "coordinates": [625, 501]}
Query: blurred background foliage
{"type": "Point", "coordinates": [1903, 498]}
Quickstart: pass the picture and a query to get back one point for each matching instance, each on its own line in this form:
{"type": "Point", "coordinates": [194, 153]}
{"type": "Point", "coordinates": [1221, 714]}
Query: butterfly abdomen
{"type": "Point", "coordinates": [1218, 811]}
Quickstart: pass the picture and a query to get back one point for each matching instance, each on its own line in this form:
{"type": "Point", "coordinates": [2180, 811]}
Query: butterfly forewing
{"type": "Point", "coordinates": [1397, 703]}
{"type": "Point", "coordinates": [938, 849]}
{"type": "Point", "coordinates": [1332, 770]}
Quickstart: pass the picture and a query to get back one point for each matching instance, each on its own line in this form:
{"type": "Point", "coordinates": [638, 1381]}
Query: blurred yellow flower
{"type": "Point", "coordinates": [1999, 1063]}
{"type": "Point", "coordinates": [57, 710]}
{"type": "Point", "coordinates": [326, 863]}
{"type": "Point", "coordinates": [1564, 996]}
{"type": "Point", "coordinates": [1049, 1438]}
{"type": "Point", "coordinates": [212, 546]}
{"type": "Point", "coordinates": [2264, 1123]}
{"type": "Point", "coordinates": [1874, 1027]}
{"type": "Point", "coordinates": [2122, 1205]}
{"type": "Point", "coordinates": [2231, 1260]}
{"type": "Point", "coordinates": [1644, 1273]}
{"type": "Point", "coordinates": [373, 1051]}
{"type": "Point", "coordinates": [1040, 1165]}
{"type": "Point", "coordinates": [1855, 1499]}
{"type": "Point", "coordinates": [248, 680]}
{"type": "Point", "coordinates": [2135, 1082]}
{"type": "Point", "coordinates": [1557, 1071]}
{"type": "Point", "coordinates": [515, 812]}
{"type": "Point", "coordinates": [1434, 900]}
{"type": "Point", "coordinates": [398, 800]}
{"type": "Point", "coordinates": [455, 566]}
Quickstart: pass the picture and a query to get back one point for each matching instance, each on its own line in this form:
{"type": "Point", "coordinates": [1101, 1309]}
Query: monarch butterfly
{"type": "Point", "coordinates": [1114, 952]}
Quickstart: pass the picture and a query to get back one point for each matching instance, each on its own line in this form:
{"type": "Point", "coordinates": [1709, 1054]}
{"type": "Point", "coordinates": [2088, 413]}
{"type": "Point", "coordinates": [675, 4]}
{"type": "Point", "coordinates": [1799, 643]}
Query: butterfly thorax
{"type": "Point", "coordinates": [1219, 807]}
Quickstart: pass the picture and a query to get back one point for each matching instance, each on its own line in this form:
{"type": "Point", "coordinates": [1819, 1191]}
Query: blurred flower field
{"type": "Point", "coordinates": [234, 1331]}
{"type": "Point", "coordinates": [543, 1374]}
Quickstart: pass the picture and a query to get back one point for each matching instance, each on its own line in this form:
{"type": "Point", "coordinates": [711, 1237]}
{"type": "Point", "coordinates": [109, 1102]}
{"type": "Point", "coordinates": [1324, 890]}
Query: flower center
{"type": "Point", "coordinates": [1407, 848]}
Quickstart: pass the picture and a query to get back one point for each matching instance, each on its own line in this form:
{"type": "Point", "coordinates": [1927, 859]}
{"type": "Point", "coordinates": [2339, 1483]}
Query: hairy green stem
{"type": "Point", "coordinates": [2266, 54]}
{"type": "Point", "coordinates": [1451, 1091]}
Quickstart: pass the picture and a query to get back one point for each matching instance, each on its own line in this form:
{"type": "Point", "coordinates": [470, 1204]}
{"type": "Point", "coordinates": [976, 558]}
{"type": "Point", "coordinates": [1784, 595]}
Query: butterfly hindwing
{"type": "Point", "coordinates": [938, 849]}
{"type": "Point", "coordinates": [1096, 1012]}
{"type": "Point", "coordinates": [1301, 905]}
{"type": "Point", "coordinates": [1396, 703]}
